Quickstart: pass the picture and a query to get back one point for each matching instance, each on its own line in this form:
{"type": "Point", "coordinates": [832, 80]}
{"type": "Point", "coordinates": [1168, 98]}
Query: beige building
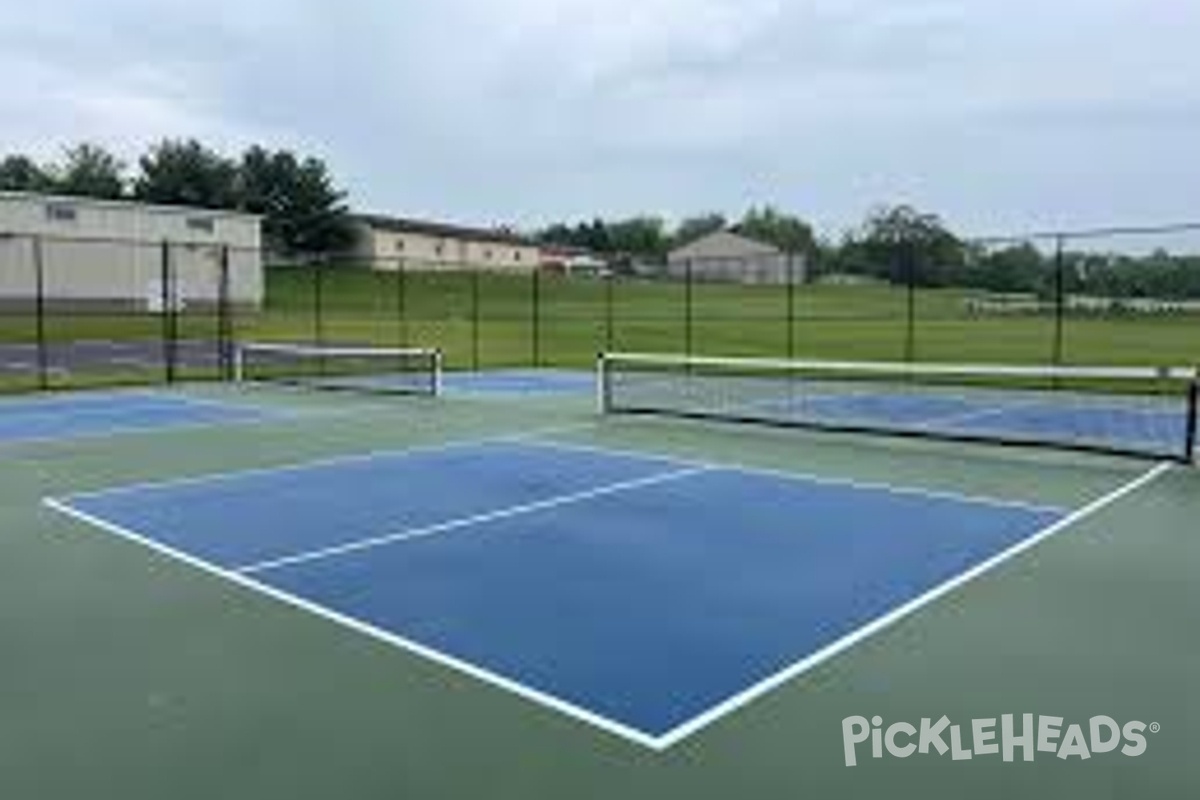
{"type": "Point", "coordinates": [728, 256]}
{"type": "Point", "coordinates": [388, 242]}
{"type": "Point", "coordinates": [109, 254]}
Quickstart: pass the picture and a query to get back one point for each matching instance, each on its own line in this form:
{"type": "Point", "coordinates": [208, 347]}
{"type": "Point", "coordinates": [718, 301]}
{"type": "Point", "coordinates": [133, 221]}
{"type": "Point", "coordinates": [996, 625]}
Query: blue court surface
{"type": "Point", "coordinates": [509, 382]}
{"type": "Point", "coordinates": [104, 413]}
{"type": "Point", "coordinates": [641, 594]}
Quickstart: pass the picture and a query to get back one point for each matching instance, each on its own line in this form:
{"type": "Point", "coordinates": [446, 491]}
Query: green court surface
{"type": "Point", "coordinates": [127, 674]}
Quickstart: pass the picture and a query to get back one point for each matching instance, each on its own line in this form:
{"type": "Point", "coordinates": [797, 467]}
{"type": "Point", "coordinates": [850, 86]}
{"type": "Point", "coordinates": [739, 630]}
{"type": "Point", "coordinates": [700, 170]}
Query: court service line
{"type": "Point", "coordinates": [248, 583]}
{"type": "Point", "coordinates": [466, 522]}
{"type": "Point", "coordinates": [804, 477]}
{"type": "Point", "coordinates": [743, 698]}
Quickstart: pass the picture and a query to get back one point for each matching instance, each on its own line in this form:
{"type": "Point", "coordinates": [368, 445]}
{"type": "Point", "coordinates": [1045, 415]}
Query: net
{"type": "Point", "coordinates": [1149, 412]}
{"type": "Point", "coordinates": [369, 369]}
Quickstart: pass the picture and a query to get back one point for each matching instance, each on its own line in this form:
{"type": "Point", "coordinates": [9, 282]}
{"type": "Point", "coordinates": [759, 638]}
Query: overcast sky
{"type": "Point", "coordinates": [997, 114]}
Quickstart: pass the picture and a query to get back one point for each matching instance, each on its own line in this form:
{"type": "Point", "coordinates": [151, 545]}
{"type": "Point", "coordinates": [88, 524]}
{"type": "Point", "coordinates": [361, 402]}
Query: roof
{"type": "Point", "coordinates": [131, 204]}
{"type": "Point", "coordinates": [443, 229]}
{"type": "Point", "coordinates": [724, 244]}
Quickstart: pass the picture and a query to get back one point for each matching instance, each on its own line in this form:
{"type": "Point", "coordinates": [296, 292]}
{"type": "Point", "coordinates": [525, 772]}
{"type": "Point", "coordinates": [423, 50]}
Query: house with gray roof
{"type": "Point", "coordinates": [729, 256]}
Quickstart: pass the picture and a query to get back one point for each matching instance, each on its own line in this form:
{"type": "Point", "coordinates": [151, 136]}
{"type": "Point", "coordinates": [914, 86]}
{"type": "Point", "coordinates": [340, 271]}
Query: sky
{"type": "Point", "coordinates": [998, 115]}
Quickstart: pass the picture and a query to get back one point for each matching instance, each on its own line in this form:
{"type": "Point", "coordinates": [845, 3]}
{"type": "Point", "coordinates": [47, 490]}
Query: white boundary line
{"type": "Point", "coordinates": [681, 732]}
{"type": "Point", "coordinates": [334, 460]}
{"type": "Point", "coordinates": [410, 534]}
{"type": "Point", "coordinates": [873, 627]}
{"type": "Point", "coordinates": [436, 656]}
{"type": "Point", "coordinates": [801, 477]}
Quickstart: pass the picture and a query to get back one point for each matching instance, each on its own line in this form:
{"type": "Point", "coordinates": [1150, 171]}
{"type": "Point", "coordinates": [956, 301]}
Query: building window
{"type": "Point", "coordinates": [61, 213]}
{"type": "Point", "coordinates": [201, 224]}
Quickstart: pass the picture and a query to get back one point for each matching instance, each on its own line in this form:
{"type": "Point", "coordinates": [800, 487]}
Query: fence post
{"type": "Point", "coordinates": [687, 307]}
{"type": "Point", "coordinates": [39, 273]}
{"type": "Point", "coordinates": [475, 319]}
{"type": "Point", "coordinates": [791, 304]}
{"type": "Point", "coordinates": [402, 302]}
{"type": "Point", "coordinates": [1060, 300]}
{"type": "Point", "coordinates": [318, 301]}
{"type": "Point", "coordinates": [609, 331]}
{"type": "Point", "coordinates": [225, 344]}
{"type": "Point", "coordinates": [909, 266]}
{"type": "Point", "coordinates": [167, 297]}
{"type": "Point", "coordinates": [535, 316]}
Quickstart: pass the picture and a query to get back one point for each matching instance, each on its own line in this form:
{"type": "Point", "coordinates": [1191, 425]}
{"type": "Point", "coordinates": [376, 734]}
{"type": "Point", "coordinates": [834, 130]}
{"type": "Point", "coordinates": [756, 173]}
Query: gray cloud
{"type": "Point", "coordinates": [996, 114]}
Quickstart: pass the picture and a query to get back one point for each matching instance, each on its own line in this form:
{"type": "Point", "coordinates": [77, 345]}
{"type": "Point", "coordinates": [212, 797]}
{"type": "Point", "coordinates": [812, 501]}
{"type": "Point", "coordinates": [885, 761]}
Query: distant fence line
{"type": "Point", "coordinates": [80, 311]}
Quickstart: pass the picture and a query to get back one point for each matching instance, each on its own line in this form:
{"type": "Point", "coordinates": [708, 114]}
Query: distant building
{"type": "Point", "coordinates": [109, 254]}
{"type": "Point", "coordinates": [572, 261]}
{"type": "Point", "coordinates": [388, 242]}
{"type": "Point", "coordinates": [729, 256]}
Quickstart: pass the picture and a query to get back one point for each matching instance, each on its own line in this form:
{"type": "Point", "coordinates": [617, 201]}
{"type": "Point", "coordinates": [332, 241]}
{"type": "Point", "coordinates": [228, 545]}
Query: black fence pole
{"type": "Point", "coordinates": [39, 277]}
{"type": "Point", "coordinates": [908, 264]}
{"type": "Point", "coordinates": [475, 319]}
{"type": "Point", "coordinates": [1060, 301]}
{"type": "Point", "coordinates": [688, 311]}
{"type": "Point", "coordinates": [790, 325]}
{"type": "Point", "coordinates": [609, 329]}
{"type": "Point", "coordinates": [167, 300]}
{"type": "Point", "coordinates": [535, 316]}
{"type": "Point", "coordinates": [225, 336]}
{"type": "Point", "coordinates": [318, 302]}
{"type": "Point", "coordinates": [402, 302]}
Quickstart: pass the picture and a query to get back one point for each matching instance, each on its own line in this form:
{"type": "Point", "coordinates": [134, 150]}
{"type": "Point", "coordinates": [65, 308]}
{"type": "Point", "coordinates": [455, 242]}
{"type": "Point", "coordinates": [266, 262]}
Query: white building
{"type": "Point", "coordinates": [729, 256]}
{"type": "Point", "coordinates": [109, 254]}
{"type": "Point", "coordinates": [391, 242]}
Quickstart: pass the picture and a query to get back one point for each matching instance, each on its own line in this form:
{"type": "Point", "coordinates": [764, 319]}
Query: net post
{"type": "Point", "coordinates": [437, 371]}
{"type": "Point", "coordinates": [1193, 419]}
{"type": "Point", "coordinates": [238, 363]}
{"type": "Point", "coordinates": [603, 393]}
{"type": "Point", "coordinates": [39, 276]}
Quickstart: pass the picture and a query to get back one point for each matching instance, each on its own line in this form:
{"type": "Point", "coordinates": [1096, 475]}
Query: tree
{"type": "Point", "coordinates": [692, 228]}
{"type": "Point", "coordinates": [786, 232]}
{"type": "Point", "coordinates": [903, 244]}
{"type": "Point", "coordinates": [643, 238]}
{"type": "Point", "coordinates": [88, 170]}
{"type": "Point", "coordinates": [303, 211]}
{"type": "Point", "coordinates": [20, 173]}
{"type": "Point", "coordinates": [178, 172]}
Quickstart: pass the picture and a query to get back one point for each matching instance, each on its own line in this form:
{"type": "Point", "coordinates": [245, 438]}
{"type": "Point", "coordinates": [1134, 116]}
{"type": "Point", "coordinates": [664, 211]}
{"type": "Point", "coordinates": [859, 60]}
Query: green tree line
{"type": "Point", "coordinates": [303, 210]}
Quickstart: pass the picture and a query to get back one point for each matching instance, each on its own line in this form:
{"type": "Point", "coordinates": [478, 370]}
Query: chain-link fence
{"type": "Point", "coordinates": [83, 312]}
